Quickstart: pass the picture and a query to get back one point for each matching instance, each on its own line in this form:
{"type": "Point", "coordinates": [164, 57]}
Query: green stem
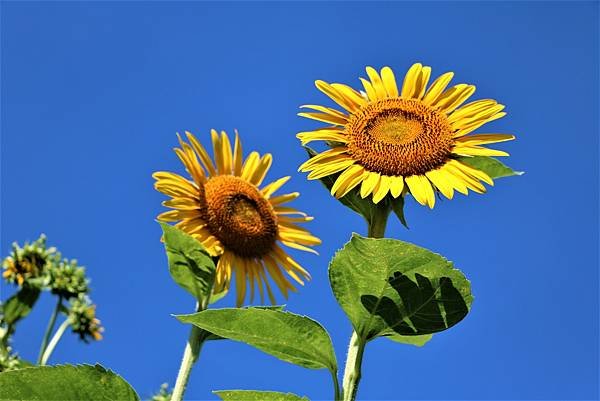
{"type": "Point", "coordinates": [378, 221]}
{"type": "Point", "coordinates": [191, 352]}
{"type": "Point", "coordinates": [49, 329]}
{"type": "Point", "coordinates": [352, 371]}
{"type": "Point", "coordinates": [337, 396]}
{"type": "Point", "coordinates": [55, 339]}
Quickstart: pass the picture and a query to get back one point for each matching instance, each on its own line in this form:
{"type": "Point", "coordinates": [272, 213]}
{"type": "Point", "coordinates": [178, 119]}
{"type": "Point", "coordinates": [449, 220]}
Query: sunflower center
{"type": "Point", "coordinates": [399, 137]}
{"type": "Point", "coordinates": [239, 216]}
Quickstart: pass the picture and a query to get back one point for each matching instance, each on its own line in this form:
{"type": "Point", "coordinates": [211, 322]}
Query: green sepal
{"type": "Point", "coordinates": [254, 395]}
{"type": "Point", "coordinates": [378, 280]}
{"type": "Point", "coordinates": [492, 167]}
{"type": "Point", "coordinates": [190, 265]}
{"type": "Point", "coordinates": [287, 336]}
{"type": "Point", "coordinates": [65, 383]}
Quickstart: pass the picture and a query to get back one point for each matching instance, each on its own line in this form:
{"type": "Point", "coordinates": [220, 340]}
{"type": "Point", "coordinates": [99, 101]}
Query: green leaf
{"type": "Point", "coordinates": [427, 305]}
{"type": "Point", "coordinates": [190, 264]}
{"type": "Point", "coordinates": [253, 395]}
{"type": "Point", "coordinates": [65, 383]}
{"type": "Point", "coordinates": [492, 167]}
{"type": "Point", "coordinates": [364, 207]}
{"type": "Point", "coordinates": [20, 304]}
{"type": "Point", "coordinates": [360, 278]}
{"type": "Point", "coordinates": [287, 336]}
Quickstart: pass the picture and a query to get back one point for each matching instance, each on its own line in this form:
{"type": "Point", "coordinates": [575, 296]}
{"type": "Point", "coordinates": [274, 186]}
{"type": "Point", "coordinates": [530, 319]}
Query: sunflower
{"type": "Point", "coordinates": [225, 209]}
{"type": "Point", "coordinates": [397, 141]}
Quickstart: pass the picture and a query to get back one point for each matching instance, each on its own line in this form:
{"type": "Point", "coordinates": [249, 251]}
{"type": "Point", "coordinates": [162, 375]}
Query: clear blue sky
{"type": "Point", "coordinates": [92, 95]}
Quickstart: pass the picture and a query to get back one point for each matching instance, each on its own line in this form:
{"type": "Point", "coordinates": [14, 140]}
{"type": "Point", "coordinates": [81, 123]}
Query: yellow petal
{"type": "Point", "coordinates": [206, 160]}
{"type": "Point", "coordinates": [352, 96]}
{"type": "Point", "coordinates": [464, 150]}
{"type": "Point", "coordinates": [325, 134]}
{"type": "Point", "coordinates": [482, 139]}
{"type": "Point", "coordinates": [250, 165]}
{"type": "Point", "coordinates": [326, 118]}
{"type": "Point", "coordinates": [382, 189]}
{"type": "Point", "coordinates": [410, 80]}
{"type": "Point", "coordinates": [396, 186]}
{"type": "Point", "coordinates": [238, 158]}
{"type": "Point", "coordinates": [261, 169]}
{"type": "Point", "coordinates": [377, 83]}
{"type": "Point", "coordinates": [227, 156]}
{"type": "Point", "coordinates": [216, 141]}
{"type": "Point", "coordinates": [422, 82]}
{"type": "Point", "coordinates": [441, 183]}
{"type": "Point", "coordinates": [437, 87]}
{"type": "Point", "coordinates": [454, 97]}
{"type": "Point", "coordinates": [389, 81]}
{"type": "Point", "coordinates": [338, 96]}
{"type": "Point", "coordinates": [472, 127]}
{"type": "Point", "coordinates": [421, 190]}
{"type": "Point", "coordinates": [350, 178]}
{"type": "Point", "coordinates": [278, 200]}
{"type": "Point", "coordinates": [369, 184]}
{"type": "Point", "coordinates": [271, 188]}
{"type": "Point", "coordinates": [473, 172]}
{"type": "Point", "coordinates": [326, 110]}
{"type": "Point", "coordinates": [371, 92]}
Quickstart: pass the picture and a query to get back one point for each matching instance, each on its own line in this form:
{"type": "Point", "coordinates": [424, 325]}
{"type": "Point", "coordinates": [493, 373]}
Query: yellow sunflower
{"type": "Point", "coordinates": [225, 209]}
{"type": "Point", "coordinates": [391, 140]}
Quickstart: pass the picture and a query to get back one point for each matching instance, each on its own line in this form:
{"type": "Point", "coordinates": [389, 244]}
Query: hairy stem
{"type": "Point", "coordinates": [55, 339]}
{"type": "Point", "coordinates": [49, 329]}
{"type": "Point", "coordinates": [337, 395]}
{"type": "Point", "coordinates": [352, 371]}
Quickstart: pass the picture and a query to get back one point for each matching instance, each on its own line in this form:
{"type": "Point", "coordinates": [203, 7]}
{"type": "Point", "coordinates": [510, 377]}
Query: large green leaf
{"type": "Point", "coordinates": [417, 341]}
{"type": "Point", "coordinates": [20, 304]}
{"type": "Point", "coordinates": [253, 395]}
{"type": "Point", "coordinates": [65, 383]}
{"type": "Point", "coordinates": [287, 336]}
{"type": "Point", "coordinates": [360, 278]}
{"type": "Point", "coordinates": [190, 264]}
{"type": "Point", "coordinates": [492, 167]}
{"type": "Point", "coordinates": [427, 305]}
{"type": "Point", "coordinates": [364, 207]}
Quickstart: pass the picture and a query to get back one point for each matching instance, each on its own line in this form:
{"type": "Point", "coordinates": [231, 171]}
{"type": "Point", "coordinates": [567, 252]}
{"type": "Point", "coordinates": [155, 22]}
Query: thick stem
{"type": "Point", "coordinates": [49, 329]}
{"type": "Point", "coordinates": [190, 356]}
{"type": "Point", "coordinates": [352, 371]}
{"type": "Point", "coordinates": [356, 348]}
{"type": "Point", "coordinates": [55, 339]}
{"type": "Point", "coordinates": [378, 222]}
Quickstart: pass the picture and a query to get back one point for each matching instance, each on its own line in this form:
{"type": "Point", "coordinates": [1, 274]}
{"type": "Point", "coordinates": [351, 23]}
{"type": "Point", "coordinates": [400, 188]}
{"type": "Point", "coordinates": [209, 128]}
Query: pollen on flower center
{"type": "Point", "coordinates": [396, 136]}
{"type": "Point", "coordinates": [239, 216]}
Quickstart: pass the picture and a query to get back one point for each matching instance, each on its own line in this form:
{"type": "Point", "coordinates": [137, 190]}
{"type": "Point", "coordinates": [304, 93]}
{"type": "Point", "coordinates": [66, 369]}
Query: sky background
{"type": "Point", "coordinates": [93, 94]}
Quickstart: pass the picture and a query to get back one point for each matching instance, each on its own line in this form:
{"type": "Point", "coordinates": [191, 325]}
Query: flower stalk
{"type": "Point", "coordinates": [49, 329]}
{"type": "Point", "coordinates": [356, 348]}
{"type": "Point", "coordinates": [54, 341]}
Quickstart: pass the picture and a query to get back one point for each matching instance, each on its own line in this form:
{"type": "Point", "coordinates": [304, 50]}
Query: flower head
{"type": "Point", "coordinates": [29, 262]}
{"type": "Point", "coordinates": [392, 140]}
{"type": "Point", "coordinates": [82, 317]}
{"type": "Point", "coordinates": [67, 279]}
{"type": "Point", "coordinates": [225, 208]}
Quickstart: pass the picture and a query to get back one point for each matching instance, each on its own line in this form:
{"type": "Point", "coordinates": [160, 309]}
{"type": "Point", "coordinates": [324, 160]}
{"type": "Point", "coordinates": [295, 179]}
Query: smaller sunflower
{"type": "Point", "coordinates": [394, 140]}
{"type": "Point", "coordinates": [31, 262]}
{"type": "Point", "coordinates": [83, 321]}
{"type": "Point", "coordinates": [224, 207]}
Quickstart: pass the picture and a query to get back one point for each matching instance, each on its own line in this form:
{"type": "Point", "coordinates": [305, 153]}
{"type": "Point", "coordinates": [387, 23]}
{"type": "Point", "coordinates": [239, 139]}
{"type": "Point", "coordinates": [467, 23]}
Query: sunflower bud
{"type": "Point", "coordinates": [30, 263]}
{"type": "Point", "coordinates": [82, 316]}
{"type": "Point", "coordinates": [68, 280]}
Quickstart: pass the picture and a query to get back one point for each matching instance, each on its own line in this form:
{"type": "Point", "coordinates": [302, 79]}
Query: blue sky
{"type": "Point", "coordinates": [93, 93]}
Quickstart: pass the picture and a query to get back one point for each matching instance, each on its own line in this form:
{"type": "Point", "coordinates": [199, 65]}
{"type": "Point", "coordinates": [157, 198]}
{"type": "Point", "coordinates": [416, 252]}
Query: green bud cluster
{"type": "Point", "coordinates": [9, 360]}
{"type": "Point", "coordinates": [163, 394]}
{"type": "Point", "coordinates": [67, 279]}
